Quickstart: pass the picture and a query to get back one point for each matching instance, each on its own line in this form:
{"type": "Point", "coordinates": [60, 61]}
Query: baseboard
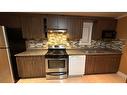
{"type": "Point", "coordinates": [75, 76]}
{"type": "Point", "coordinates": [123, 75]}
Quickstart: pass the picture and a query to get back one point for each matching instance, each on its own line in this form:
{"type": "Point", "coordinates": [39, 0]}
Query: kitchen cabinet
{"type": "Point", "coordinates": [52, 22]}
{"type": "Point", "coordinates": [31, 66]}
{"type": "Point", "coordinates": [10, 20]}
{"type": "Point", "coordinates": [75, 27]}
{"type": "Point", "coordinates": [26, 27]}
{"type": "Point", "coordinates": [76, 64]}
{"type": "Point", "coordinates": [73, 24]}
{"type": "Point", "coordinates": [32, 27]}
{"type": "Point", "coordinates": [99, 64]}
{"type": "Point", "coordinates": [56, 22]}
{"type": "Point", "coordinates": [102, 24]}
{"type": "Point", "coordinates": [62, 22]}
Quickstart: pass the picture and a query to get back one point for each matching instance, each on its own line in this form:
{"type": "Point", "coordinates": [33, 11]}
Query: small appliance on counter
{"type": "Point", "coordinates": [56, 61]}
{"type": "Point", "coordinates": [108, 34]}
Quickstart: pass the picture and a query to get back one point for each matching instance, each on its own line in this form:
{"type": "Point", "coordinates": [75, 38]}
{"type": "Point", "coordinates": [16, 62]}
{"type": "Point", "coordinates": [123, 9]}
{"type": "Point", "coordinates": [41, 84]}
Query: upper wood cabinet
{"type": "Point", "coordinates": [26, 26]}
{"type": "Point", "coordinates": [71, 23]}
{"type": "Point", "coordinates": [52, 22]}
{"type": "Point", "coordinates": [33, 24]}
{"type": "Point", "coordinates": [62, 22]}
{"type": "Point", "coordinates": [102, 24]}
{"type": "Point", "coordinates": [56, 22]}
{"type": "Point", "coordinates": [75, 27]}
{"type": "Point", "coordinates": [32, 27]}
{"type": "Point", "coordinates": [10, 20]}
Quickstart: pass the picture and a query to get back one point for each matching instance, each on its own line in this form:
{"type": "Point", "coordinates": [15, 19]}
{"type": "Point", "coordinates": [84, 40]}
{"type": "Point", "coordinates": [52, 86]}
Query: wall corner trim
{"type": "Point", "coordinates": [123, 75]}
{"type": "Point", "coordinates": [121, 16]}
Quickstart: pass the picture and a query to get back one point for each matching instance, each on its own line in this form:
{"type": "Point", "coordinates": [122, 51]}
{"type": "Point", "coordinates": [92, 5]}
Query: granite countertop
{"type": "Point", "coordinates": [98, 51]}
{"type": "Point", "coordinates": [32, 52]}
{"type": "Point", "coordinates": [74, 52]}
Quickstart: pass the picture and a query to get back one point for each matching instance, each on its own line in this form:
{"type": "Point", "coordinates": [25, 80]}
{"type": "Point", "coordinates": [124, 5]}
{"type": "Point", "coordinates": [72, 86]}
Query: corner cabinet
{"type": "Point", "coordinates": [100, 64]}
{"type": "Point", "coordinates": [31, 66]}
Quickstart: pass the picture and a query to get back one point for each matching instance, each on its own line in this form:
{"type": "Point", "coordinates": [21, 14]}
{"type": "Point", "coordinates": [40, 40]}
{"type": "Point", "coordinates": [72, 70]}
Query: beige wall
{"type": "Point", "coordinates": [122, 34]}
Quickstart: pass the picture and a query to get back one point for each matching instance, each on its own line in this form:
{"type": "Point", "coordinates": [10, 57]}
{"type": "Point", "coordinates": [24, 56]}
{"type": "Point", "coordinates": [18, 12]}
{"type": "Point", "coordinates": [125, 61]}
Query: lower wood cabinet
{"type": "Point", "coordinates": [31, 66]}
{"type": "Point", "coordinates": [99, 64]}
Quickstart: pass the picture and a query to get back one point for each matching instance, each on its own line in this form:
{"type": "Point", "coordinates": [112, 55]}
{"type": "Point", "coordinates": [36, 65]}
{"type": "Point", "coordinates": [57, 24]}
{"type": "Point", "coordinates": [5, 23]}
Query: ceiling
{"type": "Point", "coordinates": [100, 14]}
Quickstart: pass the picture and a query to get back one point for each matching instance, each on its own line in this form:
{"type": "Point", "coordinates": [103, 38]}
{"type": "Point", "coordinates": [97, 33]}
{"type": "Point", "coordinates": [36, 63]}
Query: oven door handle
{"type": "Point", "coordinates": [56, 73]}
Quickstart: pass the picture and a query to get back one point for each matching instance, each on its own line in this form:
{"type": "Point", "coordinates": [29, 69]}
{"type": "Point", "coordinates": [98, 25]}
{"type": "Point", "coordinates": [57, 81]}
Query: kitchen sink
{"type": "Point", "coordinates": [95, 51]}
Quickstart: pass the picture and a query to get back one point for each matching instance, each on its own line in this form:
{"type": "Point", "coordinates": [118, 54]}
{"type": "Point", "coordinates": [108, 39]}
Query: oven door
{"type": "Point", "coordinates": [56, 64]}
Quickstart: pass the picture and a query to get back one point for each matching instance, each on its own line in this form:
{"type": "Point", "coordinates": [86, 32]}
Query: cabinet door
{"type": "Point", "coordinates": [10, 20]}
{"type": "Point", "coordinates": [101, 25]}
{"type": "Point", "coordinates": [107, 63]}
{"type": "Point", "coordinates": [32, 27]}
{"type": "Point", "coordinates": [37, 27]}
{"type": "Point", "coordinates": [31, 66]}
{"type": "Point", "coordinates": [99, 64]}
{"type": "Point", "coordinates": [115, 62]}
{"type": "Point", "coordinates": [89, 65]}
{"type": "Point", "coordinates": [62, 22]}
{"type": "Point", "coordinates": [26, 26]}
{"type": "Point", "coordinates": [52, 22]}
{"type": "Point", "coordinates": [74, 26]}
{"type": "Point", "coordinates": [56, 22]}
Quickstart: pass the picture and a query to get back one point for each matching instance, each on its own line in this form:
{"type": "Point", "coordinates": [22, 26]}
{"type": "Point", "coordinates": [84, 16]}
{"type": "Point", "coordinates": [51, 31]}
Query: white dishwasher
{"type": "Point", "coordinates": [77, 65]}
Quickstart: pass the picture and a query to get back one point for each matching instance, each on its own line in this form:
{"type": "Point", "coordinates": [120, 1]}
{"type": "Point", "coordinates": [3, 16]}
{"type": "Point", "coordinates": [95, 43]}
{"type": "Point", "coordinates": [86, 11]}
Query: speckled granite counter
{"type": "Point", "coordinates": [37, 52]}
{"type": "Point", "coordinates": [32, 52]}
{"type": "Point", "coordinates": [74, 52]}
{"type": "Point", "coordinates": [92, 51]}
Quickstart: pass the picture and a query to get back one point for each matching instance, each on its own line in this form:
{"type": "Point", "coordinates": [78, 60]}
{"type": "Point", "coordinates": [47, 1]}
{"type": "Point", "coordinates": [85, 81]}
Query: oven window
{"type": "Point", "coordinates": [56, 64]}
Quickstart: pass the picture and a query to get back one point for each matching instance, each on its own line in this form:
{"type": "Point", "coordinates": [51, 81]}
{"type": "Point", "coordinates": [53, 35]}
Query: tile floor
{"type": "Point", "coordinates": [99, 78]}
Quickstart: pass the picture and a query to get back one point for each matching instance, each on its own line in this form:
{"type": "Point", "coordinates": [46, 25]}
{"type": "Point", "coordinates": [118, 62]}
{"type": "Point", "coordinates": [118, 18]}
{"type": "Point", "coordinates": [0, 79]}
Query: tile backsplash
{"type": "Point", "coordinates": [114, 44]}
{"type": "Point", "coordinates": [34, 44]}
{"type": "Point", "coordinates": [57, 38]}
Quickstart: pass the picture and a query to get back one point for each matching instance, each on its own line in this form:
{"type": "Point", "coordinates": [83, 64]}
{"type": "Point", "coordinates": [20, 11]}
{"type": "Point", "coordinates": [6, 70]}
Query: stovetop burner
{"type": "Point", "coordinates": [56, 53]}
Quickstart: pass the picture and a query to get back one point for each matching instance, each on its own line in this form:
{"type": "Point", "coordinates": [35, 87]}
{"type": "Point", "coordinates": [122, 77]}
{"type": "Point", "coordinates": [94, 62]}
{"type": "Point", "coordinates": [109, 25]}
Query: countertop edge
{"type": "Point", "coordinates": [35, 52]}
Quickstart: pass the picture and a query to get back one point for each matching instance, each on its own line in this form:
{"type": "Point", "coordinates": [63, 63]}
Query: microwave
{"type": "Point", "coordinates": [108, 34]}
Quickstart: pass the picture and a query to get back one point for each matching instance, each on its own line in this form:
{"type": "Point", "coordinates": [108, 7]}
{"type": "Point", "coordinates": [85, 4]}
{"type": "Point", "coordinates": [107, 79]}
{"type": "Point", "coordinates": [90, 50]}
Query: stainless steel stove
{"type": "Point", "coordinates": [56, 61]}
